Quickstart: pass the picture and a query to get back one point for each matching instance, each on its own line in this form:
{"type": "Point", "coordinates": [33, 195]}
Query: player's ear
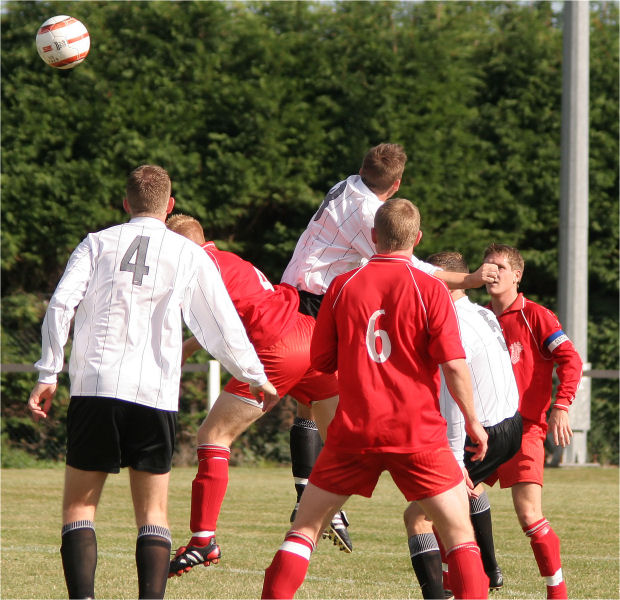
{"type": "Point", "coordinates": [170, 205]}
{"type": "Point", "coordinates": [373, 236]}
{"type": "Point", "coordinates": [396, 185]}
{"type": "Point", "coordinates": [418, 238]}
{"type": "Point", "coordinates": [126, 206]}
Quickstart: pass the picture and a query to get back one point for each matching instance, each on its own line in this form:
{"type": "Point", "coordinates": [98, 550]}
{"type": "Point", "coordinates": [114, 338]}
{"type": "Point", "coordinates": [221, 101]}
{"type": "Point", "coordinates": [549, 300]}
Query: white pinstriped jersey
{"type": "Point", "coordinates": [496, 396]}
{"type": "Point", "coordinates": [130, 287]}
{"type": "Point", "coordinates": [337, 239]}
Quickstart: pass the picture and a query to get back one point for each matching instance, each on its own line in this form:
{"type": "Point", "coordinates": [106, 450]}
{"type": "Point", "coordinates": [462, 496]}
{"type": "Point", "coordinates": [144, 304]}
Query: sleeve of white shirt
{"type": "Point", "coordinates": [358, 228]}
{"type": "Point", "coordinates": [213, 319]}
{"type": "Point", "coordinates": [60, 311]}
{"type": "Point", "coordinates": [455, 422]}
{"type": "Point", "coordinates": [424, 266]}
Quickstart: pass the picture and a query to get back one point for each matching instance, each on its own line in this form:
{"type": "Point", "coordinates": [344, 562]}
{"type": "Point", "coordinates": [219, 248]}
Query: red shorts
{"type": "Point", "coordinates": [287, 366]}
{"type": "Point", "coordinates": [528, 464]}
{"type": "Point", "coordinates": [417, 475]}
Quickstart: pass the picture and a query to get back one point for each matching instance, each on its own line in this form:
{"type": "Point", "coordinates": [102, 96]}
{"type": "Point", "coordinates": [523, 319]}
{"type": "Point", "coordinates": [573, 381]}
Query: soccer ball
{"type": "Point", "coordinates": [63, 42]}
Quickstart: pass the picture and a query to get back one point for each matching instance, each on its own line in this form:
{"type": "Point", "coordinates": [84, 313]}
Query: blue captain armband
{"type": "Point", "coordinates": [554, 340]}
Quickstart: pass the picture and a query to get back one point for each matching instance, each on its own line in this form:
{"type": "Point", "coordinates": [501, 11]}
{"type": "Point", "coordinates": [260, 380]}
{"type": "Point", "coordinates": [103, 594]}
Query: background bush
{"type": "Point", "coordinates": [256, 109]}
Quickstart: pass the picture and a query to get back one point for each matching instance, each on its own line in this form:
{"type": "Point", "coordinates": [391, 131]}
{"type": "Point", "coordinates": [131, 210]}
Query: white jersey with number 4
{"type": "Point", "coordinates": [496, 396]}
{"type": "Point", "coordinates": [337, 239]}
{"type": "Point", "coordinates": [130, 287]}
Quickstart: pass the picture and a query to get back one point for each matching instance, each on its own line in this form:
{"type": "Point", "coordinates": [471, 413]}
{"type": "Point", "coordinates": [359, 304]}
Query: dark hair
{"type": "Point", "coordinates": [449, 261]}
{"type": "Point", "coordinates": [382, 166]}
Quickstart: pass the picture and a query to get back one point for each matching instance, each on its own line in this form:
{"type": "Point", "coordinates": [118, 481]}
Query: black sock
{"type": "Point", "coordinates": [305, 443]}
{"type": "Point", "coordinates": [480, 513]}
{"type": "Point", "coordinates": [79, 558]}
{"type": "Point", "coordinates": [426, 562]}
{"type": "Point", "coordinates": [153, 560]}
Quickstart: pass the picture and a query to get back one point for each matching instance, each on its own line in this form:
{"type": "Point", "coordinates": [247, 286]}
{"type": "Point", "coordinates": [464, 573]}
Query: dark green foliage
{"type": "Point", "coordinates": [256, 109]}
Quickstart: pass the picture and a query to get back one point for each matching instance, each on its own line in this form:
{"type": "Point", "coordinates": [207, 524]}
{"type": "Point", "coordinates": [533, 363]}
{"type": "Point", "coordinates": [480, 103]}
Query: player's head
{"type": "Point", "coordinates": [148, 191]}
{"type": "Point", "coordinates": [449, 261]}
{"type": "Point", "coordinates": [510, 264]}
{"type": "Point", "coordinates": [186, 226]}
{"type": "Point", "coordinates": [453, 262]}
{"type": "Point", "coordinates": [382, 168]}
{"type": "Point", "coordinates": [397, 226]}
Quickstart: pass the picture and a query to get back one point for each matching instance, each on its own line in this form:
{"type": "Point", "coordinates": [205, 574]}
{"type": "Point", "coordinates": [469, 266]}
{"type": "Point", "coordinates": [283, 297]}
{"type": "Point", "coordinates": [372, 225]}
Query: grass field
{"type": "Point", "coordinates": [581, 503]}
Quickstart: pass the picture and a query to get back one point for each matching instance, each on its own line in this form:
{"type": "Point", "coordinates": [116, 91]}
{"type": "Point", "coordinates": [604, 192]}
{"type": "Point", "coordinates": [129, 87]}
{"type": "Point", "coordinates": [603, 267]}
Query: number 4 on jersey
{"type": "Point", "coordinates": [139, 269]}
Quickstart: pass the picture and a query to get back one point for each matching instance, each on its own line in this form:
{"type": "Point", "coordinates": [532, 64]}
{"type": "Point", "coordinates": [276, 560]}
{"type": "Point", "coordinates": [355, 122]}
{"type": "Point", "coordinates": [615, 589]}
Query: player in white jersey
{"type": "Point", "coordinates": [130, 287]}
{"type": "Point", "coordinates": [496, 400]}
{"type": "Point", "coordinates": [336, 240]}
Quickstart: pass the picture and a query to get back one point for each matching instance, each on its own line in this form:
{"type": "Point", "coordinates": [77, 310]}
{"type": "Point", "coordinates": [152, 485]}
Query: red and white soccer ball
{"type": "Point", "coordinates": [63, 42]}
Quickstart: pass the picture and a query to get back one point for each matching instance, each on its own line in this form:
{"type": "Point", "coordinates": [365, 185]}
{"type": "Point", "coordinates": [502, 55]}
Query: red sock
{"type": "Point", "coordinates": [209, 487]}
{"type": "Point", "coordinates": [546, 547]}
{"type": "Point", "coordinates": [288, 568]}
{"type": "Point", "coordinates": [467, 575]}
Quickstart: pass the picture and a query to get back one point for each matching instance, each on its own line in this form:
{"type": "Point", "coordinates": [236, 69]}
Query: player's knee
{"type": "Point", "coordinates": [415, 520]}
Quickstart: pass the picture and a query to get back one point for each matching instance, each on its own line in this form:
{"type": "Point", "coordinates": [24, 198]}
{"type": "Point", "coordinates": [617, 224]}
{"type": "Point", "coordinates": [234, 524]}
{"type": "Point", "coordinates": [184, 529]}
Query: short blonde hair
{"type": "Point", "coordinates": [513, 256]}
{"type": "Point", "coordinates": [148, 190]}
{"type": "Point", "coordinates": [397, 223]}
{"type": "Point", "coordinates": [382, 166]}
{"type": "Point", "coordinates": [186, 226]}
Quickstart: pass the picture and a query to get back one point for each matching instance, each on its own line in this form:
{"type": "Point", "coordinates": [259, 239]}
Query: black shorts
{"type": "Point", "coordinates": [309, 304]}
{"type": "Point", "coordinates": [105, 434]}
{"type": "Point", "coordinates": [504, 442]}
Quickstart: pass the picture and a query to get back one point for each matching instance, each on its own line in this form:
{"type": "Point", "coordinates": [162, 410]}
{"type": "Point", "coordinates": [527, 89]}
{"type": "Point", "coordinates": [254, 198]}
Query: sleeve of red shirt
{"type": "Point", "coordinates": [568, 362]}
{"type": "Point", "coordinates": [445, 343]}
{"type": "Point", "coordinates": [569, 370]}
{"type": "Point", "coordinates": [324, 345]}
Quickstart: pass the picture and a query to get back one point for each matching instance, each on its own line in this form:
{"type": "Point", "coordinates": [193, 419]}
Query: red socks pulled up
{"type": "Point", "coordinates": [288, 569]}
{"type": "Point", "coordinates": [209, 486]}
{"type": "Point", "coordinates": [546, 547]}
{"type": "Point", "coordinates": [467, 576]}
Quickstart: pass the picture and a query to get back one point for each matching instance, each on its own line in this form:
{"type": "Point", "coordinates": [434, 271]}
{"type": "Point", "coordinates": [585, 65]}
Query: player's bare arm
{"type": "Point", "coordinates": [559, 425]}
{"type": "Point", "coordinates": [42, 392]}
{"type": "Point", "coordinates": [486, 273]}
{"type": "Point", "coordinates": [190, 346]}
{"type": "Point", "coordinates": [458, 380]}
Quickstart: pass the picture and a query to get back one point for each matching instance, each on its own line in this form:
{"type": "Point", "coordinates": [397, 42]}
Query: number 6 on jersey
{"type": "Point", "coordinates": [371, 339]}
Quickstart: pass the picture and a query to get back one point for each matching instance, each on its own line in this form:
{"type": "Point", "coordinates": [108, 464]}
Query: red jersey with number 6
{"type": "Point", "coordinates": [268, 312]}
{"type": "Point", "coordinates": [385, 327]}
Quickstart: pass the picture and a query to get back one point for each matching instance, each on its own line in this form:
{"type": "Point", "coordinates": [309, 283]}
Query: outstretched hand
{"type": "Point", "coordinates": [486, 273]}
{"type": "Point", "coordinates": [42, 392]}
{"type": "Point", "coordinates": [267, 394]}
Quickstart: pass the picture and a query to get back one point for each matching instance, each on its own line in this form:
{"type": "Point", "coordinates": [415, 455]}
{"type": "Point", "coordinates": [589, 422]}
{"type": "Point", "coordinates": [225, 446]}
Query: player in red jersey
{"type": "Point", "coordinates": [386, 327]}
{"type": "Point", "coordinates": [536, 343]}
{"type": "Point", "coordinates": [281, 336]}
{"type": "Point", "coordinates": [336, 240]}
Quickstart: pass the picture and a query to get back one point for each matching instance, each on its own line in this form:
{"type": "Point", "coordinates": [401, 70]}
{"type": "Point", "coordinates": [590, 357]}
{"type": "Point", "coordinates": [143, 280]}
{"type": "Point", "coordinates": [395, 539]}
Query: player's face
{"type": "Point", "coordinates": [508, 278]}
